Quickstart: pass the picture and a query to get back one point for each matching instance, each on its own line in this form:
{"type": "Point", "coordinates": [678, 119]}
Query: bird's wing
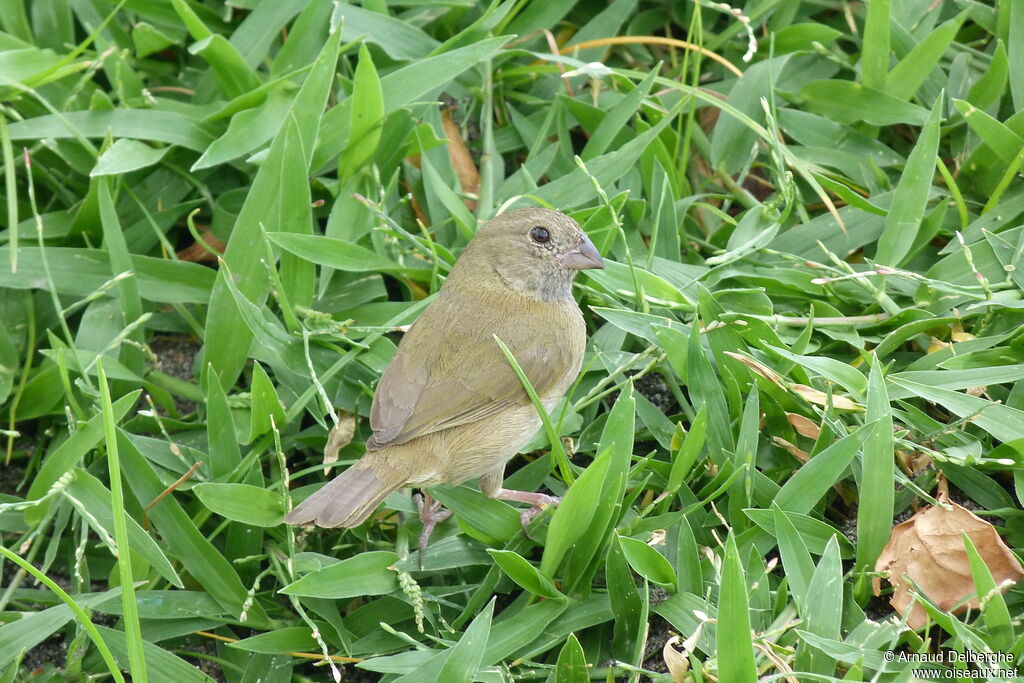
{"type": "Point", "coordinates": [443, 376]}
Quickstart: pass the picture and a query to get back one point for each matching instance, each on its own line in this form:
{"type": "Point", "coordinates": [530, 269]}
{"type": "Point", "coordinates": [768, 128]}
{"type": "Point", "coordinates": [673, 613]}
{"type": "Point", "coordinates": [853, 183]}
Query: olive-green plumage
{"type": "Point", "coordinates": [449, 407]}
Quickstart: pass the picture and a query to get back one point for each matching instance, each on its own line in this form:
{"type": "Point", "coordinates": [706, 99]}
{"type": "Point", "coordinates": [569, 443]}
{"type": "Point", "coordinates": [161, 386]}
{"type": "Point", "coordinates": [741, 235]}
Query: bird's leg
{"type": "Point", "coordinates": [490, 485]}
{"type": "Point", "coordinates": [538, 501]}
{"type": "Point", "coordinates": [431, 513]}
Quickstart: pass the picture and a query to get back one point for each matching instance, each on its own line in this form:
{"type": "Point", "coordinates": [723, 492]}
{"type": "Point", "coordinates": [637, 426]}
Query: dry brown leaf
{"type": "Point", "coordinates": [757, 366]}
{"type": "Point", "coordinates": [937, 344]}
{"type": "Point", "coordinates": [339, 437]}
{"type": "Point", "coordinates": [804, 426]}
{"type": "Point", "coordinates": [676, 661]}
{"type": "Point", "coordinates": [198, 253]}
{"type": "Point", "coordinates": [791, 449]}
{"type": "Point", "coordinates": [929, 549]}
{"type": "Point", "coordinates": [914, 463]}
{"type": "Point", "coordinates": [821, 398]}
{"type": "Point", "coordinates": [462, 160]}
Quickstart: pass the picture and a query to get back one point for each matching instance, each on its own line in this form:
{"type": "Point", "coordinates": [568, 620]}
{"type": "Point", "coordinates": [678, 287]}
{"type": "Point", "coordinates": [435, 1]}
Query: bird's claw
{"type": "Point", "coordinates": [538, 503]}
{"type": "Point", "coordinates": [431, 513]}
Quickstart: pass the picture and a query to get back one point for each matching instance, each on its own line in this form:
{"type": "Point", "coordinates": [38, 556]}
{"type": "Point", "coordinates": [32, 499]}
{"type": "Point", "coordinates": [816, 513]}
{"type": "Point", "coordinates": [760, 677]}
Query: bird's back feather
{"type": "Point", "coordinates": [449, 370]}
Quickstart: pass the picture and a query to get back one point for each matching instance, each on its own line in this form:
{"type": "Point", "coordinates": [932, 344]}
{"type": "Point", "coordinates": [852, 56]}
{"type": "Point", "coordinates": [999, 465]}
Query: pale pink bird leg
{"type": "Point", "coordinates": [538, 501]}
{"type": "Point", "coordinates": [431, 513]}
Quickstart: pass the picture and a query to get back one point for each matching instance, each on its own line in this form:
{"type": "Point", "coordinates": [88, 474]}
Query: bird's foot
{"type": "Point", "coordinates": [431, 513]}
{"type": "Point", "coordinates": [538, 502]}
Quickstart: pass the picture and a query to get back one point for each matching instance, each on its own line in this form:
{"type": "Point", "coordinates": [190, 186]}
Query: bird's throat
{"type": "Point", "coordinates": [542, 285]}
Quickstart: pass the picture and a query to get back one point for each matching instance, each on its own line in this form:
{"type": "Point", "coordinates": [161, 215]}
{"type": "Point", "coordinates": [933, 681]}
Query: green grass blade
{"type": "Point", "coordinates": [557, 449]}
{"type": "Point", "coordinates": [877, 478]}
{"type": "Point", "coordinates": [904, 220]}
{"type": "Point", "coordinates": [874, 60]}
{"type": "Point", "coordinates": [733, 644]}
{"type": "Point", "coordinates": [133, 632]}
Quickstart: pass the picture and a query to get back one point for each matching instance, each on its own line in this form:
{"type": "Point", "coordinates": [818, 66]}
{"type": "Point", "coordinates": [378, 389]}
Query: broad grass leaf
{"type": "Point", "coordinates": [81, 272]}
{"type": "Point", "coordinates": [994, 610]}
{"type": "Point", "coordinates": [877, 477]}
{"type": "Point", "coordinates": [904, 79]}
{"type": "Point", "coordinates": [525, 574]}
{"type": "Point", "coordinates": [515, 632]}
{"type": "Point", "coordinates": [904, 219]}
{"type": "Point", "coordinates": [368, 573]}
{"type": "Point", "coordinates": [796, 560]}
{"type": "Point", "coordinates": [143, 124]}
{"type": "Point", "coordinates": [1013, 37]}
{"type": "Point", "coordinates": [571, 666]}
{"type": "Point", "coordinates": [268, 207]}
{"type": "Point", "coordinates": [992, 84]}
{"type": "Point", "coordinates": [25, 633]}
{"type": "Point", "coordinates": [485, 519]}
{"type": "Point", "coordinates": [616, 118]}
{"type": "Point", "coordinates": [733, 644]}
{"type": "Point", "coordinates": [648, 562]}
{"type": "Point", "coordinates": [305, 36]}
{"type": "Point", "coordinates": [617, 278]}
{"type": "Point", "coordinates": [364, 131]}
{"type": "Point", "coordinates": [161, 664]}
{"type": "Point", "coordinates": [248, 129]}
{"type": "Point", "coordinates": [733, 141]}
{"type": "Point", "coordinates": [574, 514]}
{"type": "Point", "coordinates": [65, 457]}
{"type": "Point", "coordinates": [574, 188]}
{"type": "Point", "coordinates": [464, 658]}
{"type": "Point", "coordinates": [814, 533]}
{"type": "Point", "coordinates": [182, 540]}
{"type": "Point", "coordinates": [640, 324]}
{"type": "Point", "coordinates": [267, 412]}
{"type": "Point", "coordinates": [147, 39]}
{"type": "Point", "coordinates": [823, 614]}
{"type": "Point", "coordinates": [625, 601]}
{"type": "Point", "coordinates": [843, 374]}
{"type": "Point", "coordinates": [125, 156]}
{"type": "Point", "coordinates": [607, 22]}
{"type": "Point", "coordinates": [253, 505]}
{"type": "Point", "coordinates": [402, 40]}
{"type": "Point", "coordinates": [402, 87]}
{"type": "Point", "coordinates": [998, 136]}
{"type": "Point", "coordinates": [450, 552]}
{"type": "Point", "coordinates": [293, 639]}
{"type": "Point", "coordinates": [340, 254]}
{"type": "Point", "coordinates": [848, 102]}
{"type": "Point", "coordinates": [92, 499]}
{"type": "Point", "coordinates": [806, 487]}
{"type": "Point", "coordinates": [704, 387]}
{"type": "Point", "coordinates": [1001, 421]}
{"type": "Point", "coordinates": [221, 439]}
{"type": "Point", "coordinates": [957, 379]}
{"type": "Point", "coordinates": [874, 58]}
{"type": "Point", "coordinates": [617, 437]}
{"type": "Point", "coordinates": [234, 77]}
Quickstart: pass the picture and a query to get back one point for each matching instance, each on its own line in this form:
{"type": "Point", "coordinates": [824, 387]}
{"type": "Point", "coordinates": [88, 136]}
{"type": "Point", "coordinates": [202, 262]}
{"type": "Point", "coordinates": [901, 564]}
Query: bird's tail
{"type": "Point", "coordinates": [346, 500]}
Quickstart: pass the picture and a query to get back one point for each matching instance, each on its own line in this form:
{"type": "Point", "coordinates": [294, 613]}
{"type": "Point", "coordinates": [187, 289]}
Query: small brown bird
{"type": "Point", "coordinates": [449, 407]}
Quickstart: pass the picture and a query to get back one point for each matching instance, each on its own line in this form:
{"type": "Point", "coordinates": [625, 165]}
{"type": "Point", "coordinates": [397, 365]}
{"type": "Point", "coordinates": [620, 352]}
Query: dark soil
{"type": "Point", "coordinates": [176, 356]}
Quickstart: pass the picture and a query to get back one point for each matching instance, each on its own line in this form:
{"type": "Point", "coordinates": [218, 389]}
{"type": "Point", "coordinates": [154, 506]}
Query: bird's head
{"type": "Point", "coordinates": [535, 251]}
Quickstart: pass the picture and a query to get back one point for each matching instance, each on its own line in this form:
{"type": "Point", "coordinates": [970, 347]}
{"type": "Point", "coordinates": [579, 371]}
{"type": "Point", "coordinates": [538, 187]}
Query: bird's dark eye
{"type": "Point", "coordinates": [540, 235]}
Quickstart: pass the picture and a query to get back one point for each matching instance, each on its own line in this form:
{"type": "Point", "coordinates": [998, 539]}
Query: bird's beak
{"type": "Point", "coordinates": [583, 256]}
